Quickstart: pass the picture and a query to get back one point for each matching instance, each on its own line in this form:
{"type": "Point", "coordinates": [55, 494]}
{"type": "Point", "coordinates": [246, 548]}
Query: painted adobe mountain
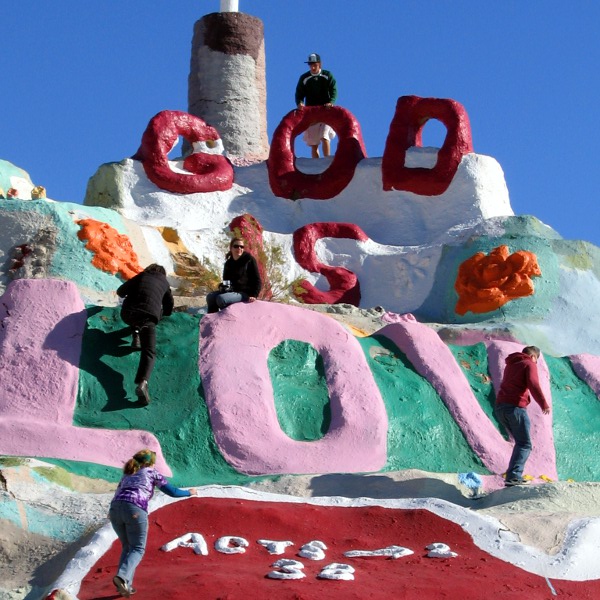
{"type": "Point", "coordinates": [421, 244]}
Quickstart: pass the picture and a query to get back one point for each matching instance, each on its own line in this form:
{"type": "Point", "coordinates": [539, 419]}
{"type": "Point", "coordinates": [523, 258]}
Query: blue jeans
{"type": "Point", "coordinates": [516, 421]}
{"type": "Point", "coordinates": [130, 523]}
{"type": "Point", "coordinates": [217, 300]}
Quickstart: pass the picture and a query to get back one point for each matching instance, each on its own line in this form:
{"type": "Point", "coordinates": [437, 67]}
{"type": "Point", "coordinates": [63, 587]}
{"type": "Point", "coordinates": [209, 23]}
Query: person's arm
{"type": "Point", "coordinates": [175, 492]}
{"type": "Point", "coordinates": [167, 303]}
{"type": "Point", "coordinates": [254, 278]}
{"type": "Point", "coordinates": [122, 290]}
{"type": "Point", "coordinates": [300, 93]}
{"type": "Point", "coordinates": [332, 88]}
{"type": "Point", "coordinates": [535, 389]}
{"type": "Point", "coordinates": [227, 276]}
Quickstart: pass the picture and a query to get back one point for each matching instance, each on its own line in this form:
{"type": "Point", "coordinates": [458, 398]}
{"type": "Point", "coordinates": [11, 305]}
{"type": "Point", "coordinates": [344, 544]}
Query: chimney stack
{"type": "Point", "coordinates": [227, 81]}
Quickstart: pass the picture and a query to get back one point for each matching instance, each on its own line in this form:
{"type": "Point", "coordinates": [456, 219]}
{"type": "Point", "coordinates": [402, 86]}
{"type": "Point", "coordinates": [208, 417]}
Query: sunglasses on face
{"type": "Point", "coordinates": [237, 246]}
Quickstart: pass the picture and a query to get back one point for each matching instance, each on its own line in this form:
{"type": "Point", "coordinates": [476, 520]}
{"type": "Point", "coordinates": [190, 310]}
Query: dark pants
{"type": "Point", "coordinates": [146, 326]}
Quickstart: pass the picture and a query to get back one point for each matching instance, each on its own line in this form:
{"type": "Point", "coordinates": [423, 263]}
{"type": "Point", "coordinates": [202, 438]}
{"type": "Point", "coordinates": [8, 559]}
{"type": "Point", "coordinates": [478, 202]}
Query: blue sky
{"type": "Point", "coordinates": [82, 79]}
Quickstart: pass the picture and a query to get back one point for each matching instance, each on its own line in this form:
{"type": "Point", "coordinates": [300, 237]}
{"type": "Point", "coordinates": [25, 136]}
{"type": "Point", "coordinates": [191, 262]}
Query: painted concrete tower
{"type": "Point", "coordinates": [227, 85]}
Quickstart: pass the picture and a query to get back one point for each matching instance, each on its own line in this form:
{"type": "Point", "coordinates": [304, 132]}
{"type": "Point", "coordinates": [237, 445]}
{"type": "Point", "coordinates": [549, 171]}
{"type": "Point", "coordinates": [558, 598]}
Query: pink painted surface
{"type": "Point", "coordinates": [287, 181]}
{"type": "Point", "coordinates": [344, 284]}
{"type": "Point", "coordinates": [433, 360]}
{"type": "Point", "coordinates": [41, 328]}
{"type": "Point", "coordinates": [207, 172]}
{"type": "Point", "coordinates": [587, 368]}
{"type": "Point", "coordinates": [234, 347]}
{"type": "Point", "coordinates": [406, 129]}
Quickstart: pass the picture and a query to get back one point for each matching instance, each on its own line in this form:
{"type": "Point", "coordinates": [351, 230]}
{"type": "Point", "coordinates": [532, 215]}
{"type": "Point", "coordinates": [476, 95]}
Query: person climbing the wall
{"type": "Point", "coordinates": [317, 87]}
{"type": "Point", "coordinates": [519, 380]}
{"type": "Point", "coordinates": [148, 298]}
{"type": "Point", "coordinates": [241, 279]}
{"type": "Point", "coordinates": [128, 513]}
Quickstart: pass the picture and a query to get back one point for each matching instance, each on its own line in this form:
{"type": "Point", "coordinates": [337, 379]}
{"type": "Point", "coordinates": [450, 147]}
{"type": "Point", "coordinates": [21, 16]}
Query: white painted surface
{"type": "Point", "coordinates": [229, 6]}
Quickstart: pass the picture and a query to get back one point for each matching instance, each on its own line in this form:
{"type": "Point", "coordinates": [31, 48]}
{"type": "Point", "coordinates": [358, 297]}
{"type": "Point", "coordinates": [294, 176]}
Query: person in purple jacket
{"type": "Point", "coordinates": [128, 513]}
{"type": "Point", "coordinates": [519, 380]}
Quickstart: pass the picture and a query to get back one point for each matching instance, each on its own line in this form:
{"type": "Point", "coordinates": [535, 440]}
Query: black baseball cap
{"type": "Point", "coordinates": [313, 58]}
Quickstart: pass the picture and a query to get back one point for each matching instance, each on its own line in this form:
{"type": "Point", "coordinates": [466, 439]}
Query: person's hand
{"type": "Point", "coordinates": [546, 411]}
{"type": "Point", "coordinates": [328, 105]}
{"type": "Point", "coordinates": [252, 299]}
{"type": "Point", "coordinates": [300, 105]}
{"type": "Point", "coordinates": [193, 492]}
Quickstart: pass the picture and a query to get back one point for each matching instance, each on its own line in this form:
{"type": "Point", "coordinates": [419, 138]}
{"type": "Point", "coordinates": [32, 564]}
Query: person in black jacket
{"type": "Point", "coordinates": [241, 279]}
{"type": "Point", "coordinates": [148, 298]}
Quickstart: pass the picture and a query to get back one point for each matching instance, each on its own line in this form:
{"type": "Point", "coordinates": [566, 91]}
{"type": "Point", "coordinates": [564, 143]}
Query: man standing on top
{"type": "Point", "coordinates": [148, 298]}
{"type": "Point", "coordinates": [519, 379]}
{"type": "Point", "coordinates": [317, 87]}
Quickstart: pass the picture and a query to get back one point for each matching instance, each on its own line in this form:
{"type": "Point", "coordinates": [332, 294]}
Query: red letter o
{"type": "Point", "coordinates": [285, 179]}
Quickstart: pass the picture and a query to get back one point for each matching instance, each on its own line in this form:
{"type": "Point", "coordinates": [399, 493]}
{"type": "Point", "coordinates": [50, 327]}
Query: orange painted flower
{"type": "Point", "coordinates": [485, 283]}
{"type": "Point", "coordinates": [112, 251]}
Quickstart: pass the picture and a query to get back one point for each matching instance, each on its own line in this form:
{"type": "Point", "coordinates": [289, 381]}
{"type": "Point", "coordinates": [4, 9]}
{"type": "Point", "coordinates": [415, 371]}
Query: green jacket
{"type": "Point", "coordinates": [316, 90]}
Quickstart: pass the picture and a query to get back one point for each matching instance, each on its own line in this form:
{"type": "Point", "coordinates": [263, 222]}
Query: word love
{"type": "Point", "coordinates": [42, 309]}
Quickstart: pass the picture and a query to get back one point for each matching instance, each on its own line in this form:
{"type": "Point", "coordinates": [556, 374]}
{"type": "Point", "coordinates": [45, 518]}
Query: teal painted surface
{"type": "Point", "coordinates": [71, 260]}
{"type": "Point", "coordinates": [300, 390]}
{"type": "Point", "coordinates": [422, 434]}
{"type": "Point", "coordinates": [520, 233]}
{"type": "Point", "coordinates": [177, 415]}
{"type": "Point", "coordinates": [8, 170]}
{"type": "Point", "coordinates": [57, 526]}
{"type": "Point", "coordinates": [575, 423]}
{"type": "Point", "coordinates": [111, 474]}
{"type": "Point", "coordinates": [9, 511]}
{"type": "Point", "coordinates": [473, 362]}
{"type": "Point", "coordinates": [42, 522]}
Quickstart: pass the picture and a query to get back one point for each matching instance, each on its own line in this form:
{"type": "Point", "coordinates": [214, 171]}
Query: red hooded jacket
{"type": "Point", "coordinates": [520, 378]}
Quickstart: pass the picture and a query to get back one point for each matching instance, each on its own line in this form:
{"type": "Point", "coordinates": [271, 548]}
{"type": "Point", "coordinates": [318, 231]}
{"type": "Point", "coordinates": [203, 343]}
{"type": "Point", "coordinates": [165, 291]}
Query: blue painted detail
{"type": "Point", "coordinates": [59, 527]}
{"type": "Point", "coordinates": [9, 511]}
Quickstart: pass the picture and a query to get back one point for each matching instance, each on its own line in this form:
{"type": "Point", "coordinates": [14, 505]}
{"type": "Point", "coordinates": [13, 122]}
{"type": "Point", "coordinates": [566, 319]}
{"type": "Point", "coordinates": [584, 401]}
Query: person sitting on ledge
{"type": "Point", "coordinates": [317, 87]}
{"type": "Point", "coordinates": [241, 279]}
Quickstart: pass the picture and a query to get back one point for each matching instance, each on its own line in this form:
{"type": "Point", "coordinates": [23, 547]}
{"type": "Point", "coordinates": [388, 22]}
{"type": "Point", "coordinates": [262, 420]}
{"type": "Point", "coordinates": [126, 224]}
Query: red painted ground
{"type": "Point", "coordinates": [473, 575]}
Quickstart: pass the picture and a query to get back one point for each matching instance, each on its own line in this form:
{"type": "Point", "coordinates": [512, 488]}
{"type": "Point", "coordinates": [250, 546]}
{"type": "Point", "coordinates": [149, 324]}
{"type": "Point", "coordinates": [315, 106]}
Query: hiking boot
{"type": "Point", "coordinates": [121, 586]}
{"type": "Point", "coordinates": [136, 344]}
{"type": "Point", "coordinates": [516, 481]}
{"type": "Point", "coordinates": [141, 391]}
